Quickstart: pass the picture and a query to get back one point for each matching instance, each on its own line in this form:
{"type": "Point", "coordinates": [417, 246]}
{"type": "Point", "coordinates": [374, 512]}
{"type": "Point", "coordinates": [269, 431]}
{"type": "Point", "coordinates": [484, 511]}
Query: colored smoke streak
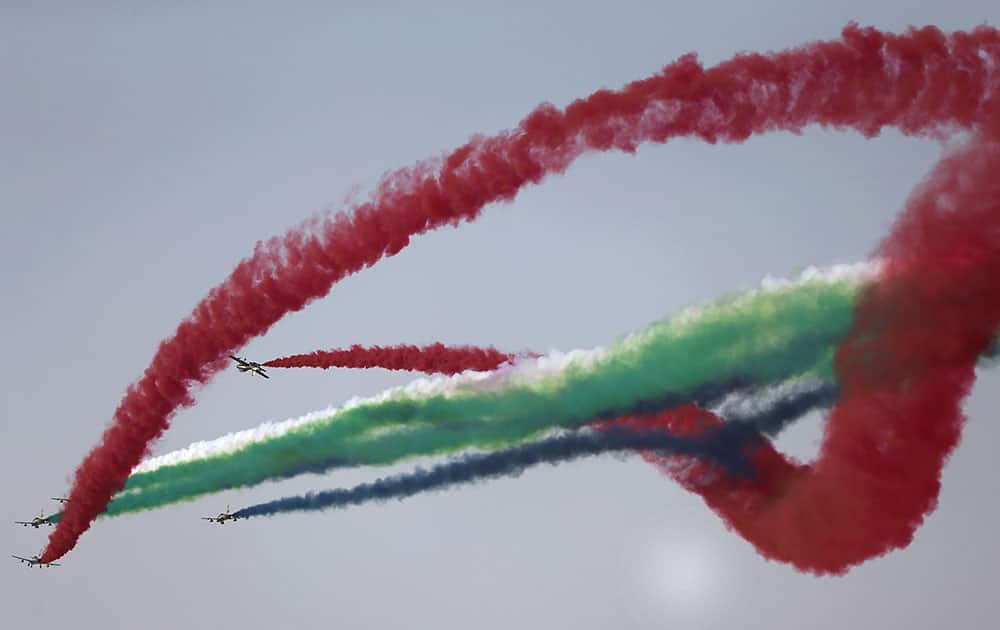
{"type": "Point", "coordinates": [436, 358]}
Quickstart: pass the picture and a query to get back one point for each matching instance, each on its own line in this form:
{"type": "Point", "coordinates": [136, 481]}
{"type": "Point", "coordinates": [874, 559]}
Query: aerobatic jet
{"type": "Point", "coordinates": [41, 519]}
{"type": "Point", "coordinates": [249, 366]}
{"type": "Point", "coordinates": [35, 561]}
{"type": "Point", "coordinates": [222, 517]}
{"type": "Point", "coordinates": [62, 500]}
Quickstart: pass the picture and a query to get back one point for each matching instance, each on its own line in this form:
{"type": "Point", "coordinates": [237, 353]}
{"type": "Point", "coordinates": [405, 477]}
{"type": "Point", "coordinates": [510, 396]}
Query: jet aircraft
{"type": "Point", "coordinates": [62, 500]}
{"type": "Point", "coordinates": [222, 517]}
{"type": "Point", "coordinates": [41, 519]}
{"type": "Point", "coordinates": [35, 561]}
{"type": "Point", "coordinates": [249, 366]}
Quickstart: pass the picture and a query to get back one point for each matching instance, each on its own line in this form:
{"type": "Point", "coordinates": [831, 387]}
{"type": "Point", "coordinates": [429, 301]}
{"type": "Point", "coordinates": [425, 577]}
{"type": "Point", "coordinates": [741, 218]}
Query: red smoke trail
{"type": "Point", "coordinates": [436, 358]}
{"type": "Point", "coordinates": [922, 82]}
{"type": "Point", "coordinates": [904, 368]}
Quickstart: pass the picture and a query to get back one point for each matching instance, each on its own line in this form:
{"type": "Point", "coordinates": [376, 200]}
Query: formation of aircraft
{"type": "Point", "coordinates": [249, 366]}
{"type": "Point", "coordinates": [35, 561]}
{"type": "Point", "coordinates": [39, 520]}
{"type": "Point", "coordinates": [222, 517]}
{"type": "Point", "coordinates": [243, 365]}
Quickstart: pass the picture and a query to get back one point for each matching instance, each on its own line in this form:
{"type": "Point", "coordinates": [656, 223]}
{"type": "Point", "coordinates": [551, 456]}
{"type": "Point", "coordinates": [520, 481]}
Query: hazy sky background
{"type": "Point", "coordinates": [143, 152]}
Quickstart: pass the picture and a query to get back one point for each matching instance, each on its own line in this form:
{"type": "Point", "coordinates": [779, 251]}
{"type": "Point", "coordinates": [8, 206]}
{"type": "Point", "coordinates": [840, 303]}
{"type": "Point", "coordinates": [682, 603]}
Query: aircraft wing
{"type": "Point", "coordinates": [264, 375]}
{"type": "Point", "coordinates": [22, 523]}
{"type": "Point", "coordinates": [20, 558]}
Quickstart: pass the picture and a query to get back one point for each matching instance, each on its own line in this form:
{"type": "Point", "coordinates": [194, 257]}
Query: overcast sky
{"type": "Point", "coordinates": [143, 152]}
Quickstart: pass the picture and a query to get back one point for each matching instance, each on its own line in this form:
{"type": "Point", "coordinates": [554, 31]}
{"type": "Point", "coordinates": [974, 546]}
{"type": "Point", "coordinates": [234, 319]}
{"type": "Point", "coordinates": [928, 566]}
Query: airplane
{"type": "Point", "coordinates": [249, 366]}
{"type": "Point", "coordinates": [35, 561]}
{"type": "Point", "coordinates": [222, 517]}
{"type": "Point", "coordinates": [41, 519]}
{"type": "Point", "coordinates": [62, 500]}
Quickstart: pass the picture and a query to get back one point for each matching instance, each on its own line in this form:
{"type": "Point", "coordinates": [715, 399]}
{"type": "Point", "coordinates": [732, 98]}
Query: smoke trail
{"type": "Point", "coordinates": [725, 446]}
{"type": "Point", "coordinates": [432, 359]}
{"type": "Point", "coordinates": [904, 369]}
{"type": "Point", "coordinates": [721, 447]}
{"type": "Point", "coordinates": [922, 82]}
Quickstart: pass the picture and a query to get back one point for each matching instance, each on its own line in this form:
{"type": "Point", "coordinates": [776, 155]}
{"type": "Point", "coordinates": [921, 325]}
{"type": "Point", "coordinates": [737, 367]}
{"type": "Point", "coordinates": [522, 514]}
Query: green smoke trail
{"type": "Point", "coordinates": [764, 337]}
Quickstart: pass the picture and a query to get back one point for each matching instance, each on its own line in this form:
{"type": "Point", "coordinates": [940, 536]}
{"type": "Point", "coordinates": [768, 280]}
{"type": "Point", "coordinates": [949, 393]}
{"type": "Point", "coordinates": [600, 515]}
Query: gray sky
{"type": "Point", "coordinates": [144, 151]}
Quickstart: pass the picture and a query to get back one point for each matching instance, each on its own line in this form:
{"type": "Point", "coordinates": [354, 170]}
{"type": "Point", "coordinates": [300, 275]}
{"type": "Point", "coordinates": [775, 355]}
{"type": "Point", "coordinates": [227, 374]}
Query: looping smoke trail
{"type": "Point", "coordinates": [923, 82]}
{"type": "Point", "coordinates": [904, 368]}
{"type": "Point", "coordinates": [435, 358]}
